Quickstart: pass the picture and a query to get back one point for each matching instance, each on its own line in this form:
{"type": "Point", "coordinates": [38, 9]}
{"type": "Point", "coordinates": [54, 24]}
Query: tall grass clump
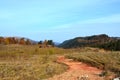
{"type": "Point", "coordinates": [109, 61]}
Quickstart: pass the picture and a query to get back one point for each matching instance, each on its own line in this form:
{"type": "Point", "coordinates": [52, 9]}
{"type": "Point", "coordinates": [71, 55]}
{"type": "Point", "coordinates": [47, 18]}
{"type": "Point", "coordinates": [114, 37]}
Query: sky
{"type": "Point", "coordinates": [59, 20]}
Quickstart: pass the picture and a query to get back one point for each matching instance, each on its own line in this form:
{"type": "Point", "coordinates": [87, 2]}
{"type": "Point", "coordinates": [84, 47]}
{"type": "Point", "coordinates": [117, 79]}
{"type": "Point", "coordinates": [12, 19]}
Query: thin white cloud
{"type": "Point", "coordinates": [107, 19]}
{"type": "Point", "coordinates": [51, 11]}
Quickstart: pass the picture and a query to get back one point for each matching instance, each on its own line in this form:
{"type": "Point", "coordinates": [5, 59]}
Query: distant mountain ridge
{"type": "Point", "coordinates": [89, 41]}
{"type": "Point", "coordinates": [32, 41]}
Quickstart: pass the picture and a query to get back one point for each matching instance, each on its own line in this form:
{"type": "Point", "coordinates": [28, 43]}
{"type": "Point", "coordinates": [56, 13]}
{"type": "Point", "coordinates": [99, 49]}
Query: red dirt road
{"type": "Point", "coordinates": [77, 71]}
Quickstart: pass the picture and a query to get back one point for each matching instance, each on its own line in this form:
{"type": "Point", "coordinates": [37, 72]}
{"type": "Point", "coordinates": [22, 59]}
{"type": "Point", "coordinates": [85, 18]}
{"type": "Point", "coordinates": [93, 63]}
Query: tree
{"type": "Point", "coordinates": [113, 45]}
{"type": "Point", "coordinates": [50, 42]}
{"type": "Point", "coordinates": [28, 42]}
{"type": "Point", "coordinates": [12, 40]}
{"type": "Point", "coordinates": [7, 40]}
{"type": "Point", "coordinates": [1, 40]}
{"type": "Point", "coordinates": [45, 42]}
{"type": "Point", "coordinates": [40, 42]}
{"type": "Point", "coordinates": [22, 41]}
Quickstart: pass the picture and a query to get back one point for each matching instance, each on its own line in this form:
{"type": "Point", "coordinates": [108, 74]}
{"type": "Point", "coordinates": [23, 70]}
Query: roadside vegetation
{"type": "Point", "coordinates": [107, 61]}
{"type": "Point", "coordinates": [24, 62]}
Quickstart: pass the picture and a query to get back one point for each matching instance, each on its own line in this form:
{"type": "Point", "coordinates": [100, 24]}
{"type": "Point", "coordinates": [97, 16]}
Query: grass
{"type": "Point", "coordinates": [108, 61]}
{"type": "Point", "coordinates": [19, 62]}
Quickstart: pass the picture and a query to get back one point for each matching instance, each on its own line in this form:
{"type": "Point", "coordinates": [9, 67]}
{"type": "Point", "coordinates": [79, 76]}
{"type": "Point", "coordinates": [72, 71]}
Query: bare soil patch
{"type": "Point", "coordinates": [77, 71]}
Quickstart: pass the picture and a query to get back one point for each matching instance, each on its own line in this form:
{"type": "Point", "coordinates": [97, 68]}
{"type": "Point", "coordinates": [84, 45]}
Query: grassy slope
{"type": "Point", "coordinates": [108, 61]}
{"type": "Point", "coordinates": [19, 62]}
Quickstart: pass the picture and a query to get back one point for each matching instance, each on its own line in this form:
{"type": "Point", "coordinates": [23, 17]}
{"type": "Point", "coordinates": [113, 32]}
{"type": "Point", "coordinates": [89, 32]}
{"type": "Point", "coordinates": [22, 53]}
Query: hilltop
{"type": "Point", "coordinates": [101, 41]}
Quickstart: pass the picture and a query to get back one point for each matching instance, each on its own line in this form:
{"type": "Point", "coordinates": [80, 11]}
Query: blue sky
{"type": "Point", "coordinates": [59, 20]}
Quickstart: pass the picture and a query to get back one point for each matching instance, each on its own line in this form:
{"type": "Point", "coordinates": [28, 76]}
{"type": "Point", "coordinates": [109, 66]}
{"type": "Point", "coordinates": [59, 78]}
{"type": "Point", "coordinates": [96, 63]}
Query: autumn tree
{"type": "Point", "coordinates": [12, 40]}
{"type": "Point", "coordinates": [22, 41]}
{"type": "Point", "coordinates": [7, 40]}
{"type": "Point", "coordinates": [1, 40]}
{"type": "Point", "coordinates": [16, 41]}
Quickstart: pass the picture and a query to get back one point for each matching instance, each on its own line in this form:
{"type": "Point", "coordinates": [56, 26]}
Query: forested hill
{"type": "Point", "coordinates": [101, 41]}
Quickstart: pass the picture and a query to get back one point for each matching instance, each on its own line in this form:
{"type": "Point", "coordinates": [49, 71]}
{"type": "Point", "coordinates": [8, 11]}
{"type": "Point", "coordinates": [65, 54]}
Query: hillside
{"type": "Point", "coordinates": [91, 41]}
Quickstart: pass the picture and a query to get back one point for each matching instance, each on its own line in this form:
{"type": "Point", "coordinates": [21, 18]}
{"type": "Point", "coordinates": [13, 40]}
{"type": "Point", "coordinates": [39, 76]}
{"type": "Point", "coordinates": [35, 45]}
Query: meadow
{"type": "Point", "coordinates": [21, 62]}
{"type": "Point", "coordinates": [29, 62]}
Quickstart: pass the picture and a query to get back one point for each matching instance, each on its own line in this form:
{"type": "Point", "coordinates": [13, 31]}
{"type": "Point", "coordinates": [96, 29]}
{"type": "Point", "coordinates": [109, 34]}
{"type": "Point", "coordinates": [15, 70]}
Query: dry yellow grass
{"type": "Point", "coordinates": [107, 61]}
{"type": "Point", "coordinates": [19, 62]}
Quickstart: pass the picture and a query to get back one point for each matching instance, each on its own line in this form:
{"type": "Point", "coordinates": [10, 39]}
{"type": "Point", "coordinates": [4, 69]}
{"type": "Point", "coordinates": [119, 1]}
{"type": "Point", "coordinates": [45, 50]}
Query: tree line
{"type": "Point", "coordinates": [24, 41]}
{"type": "Point", "coordinates": [13, 40]}
{"type": "Point", "coordinates": [46, 43]}
{"type": "Point", "coordinates": [113, 45]}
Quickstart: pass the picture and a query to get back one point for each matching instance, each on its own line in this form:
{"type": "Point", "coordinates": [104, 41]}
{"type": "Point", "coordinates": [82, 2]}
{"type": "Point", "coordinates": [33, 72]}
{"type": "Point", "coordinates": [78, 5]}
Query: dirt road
{"type": "Point", "coordinates": [77, 71]}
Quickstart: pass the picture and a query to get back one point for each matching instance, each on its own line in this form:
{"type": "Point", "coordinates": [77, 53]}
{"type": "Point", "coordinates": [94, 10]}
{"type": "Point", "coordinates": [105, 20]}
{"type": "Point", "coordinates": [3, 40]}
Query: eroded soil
{"type": "Point", "coordinates": [77, 71]}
